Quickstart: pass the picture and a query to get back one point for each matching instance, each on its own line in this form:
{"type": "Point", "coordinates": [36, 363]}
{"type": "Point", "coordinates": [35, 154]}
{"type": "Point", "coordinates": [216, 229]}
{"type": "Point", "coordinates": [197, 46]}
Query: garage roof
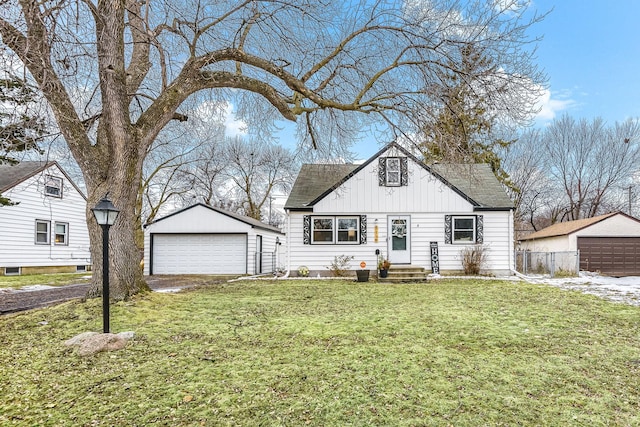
{"type": "Point", "coordinates": [565, 228]}
{"type": "Point", "coordinates": [242, 218]}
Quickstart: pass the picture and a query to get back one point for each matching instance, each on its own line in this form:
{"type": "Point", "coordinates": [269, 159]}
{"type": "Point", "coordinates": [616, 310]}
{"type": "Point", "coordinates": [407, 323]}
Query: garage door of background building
{"type": "Point", "coordinates": [198, 254]}
{"type": "Point", "coordinates": [614, 256]}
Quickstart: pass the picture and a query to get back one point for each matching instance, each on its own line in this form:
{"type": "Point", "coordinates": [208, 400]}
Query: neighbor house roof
{"type": "Point", "coordinates": [10, 176]}
{"type": "Point", "coordinates": [475, 182]}
{"type": "Point", "coordinates": [568, 227]}
{"type": "Point", "coordinates": [242, 218]}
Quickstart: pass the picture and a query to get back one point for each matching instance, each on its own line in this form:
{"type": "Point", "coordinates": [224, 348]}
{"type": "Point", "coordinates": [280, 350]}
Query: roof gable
{"type": "Point", "coordinates": [241, 218]}
{"type": "Point", "coordinates": [11, 176]}
{"type": "Point", "coordinates": [569, 227]}
{"type": "Point", "coordinates": [475, 183]}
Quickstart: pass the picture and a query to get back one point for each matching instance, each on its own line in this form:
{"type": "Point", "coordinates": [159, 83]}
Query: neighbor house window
{"type": "Point", "coordinates": [42, 232]}
{"type": "Point", "coordinates": [336, 230]}
{"type": "Point", "coordinates": [53, 186]}
{"type": "Point", "coordinates": [12, 271]}
{"type": "Point", "coordinates": [61, 233]}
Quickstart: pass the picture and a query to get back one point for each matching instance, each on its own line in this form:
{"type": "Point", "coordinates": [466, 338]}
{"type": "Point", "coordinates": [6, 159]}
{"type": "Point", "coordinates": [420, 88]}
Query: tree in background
{"type": "Point", "coordinates": [464, 127]}
{"type": "Point", "coordinates": [257, 171]}
{"type": "Point", "coordinates": [574, 169]}
{"type": "Point", "coordinates": [20, 129]}
{"type": "Point", "coordinates": [116, 72]}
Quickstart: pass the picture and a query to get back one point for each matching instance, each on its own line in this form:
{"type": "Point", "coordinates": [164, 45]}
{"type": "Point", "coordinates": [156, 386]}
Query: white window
{"type": "Point", "coordinates": [61, 233]}
{"type": "Point", "coordinates": [322, 230]}
{"type": "Point", "coordinates": [335, 230]}
{"type": "Point", "coordinates": [393, 171]}
{"type": "Point", "coordinates": [464, 229]}
{"type": "Point", "coordinates": [42, 232]}
{"type": "Point", "coordinates": [53, 186]}
{"type": "Point", "coordinates": [348, 230]}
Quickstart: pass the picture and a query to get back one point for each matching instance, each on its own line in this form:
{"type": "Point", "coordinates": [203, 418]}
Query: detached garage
{"type": "Point", "coordinates": [609, 244]}
{"type": "Point", "coordinates": [202, 239]}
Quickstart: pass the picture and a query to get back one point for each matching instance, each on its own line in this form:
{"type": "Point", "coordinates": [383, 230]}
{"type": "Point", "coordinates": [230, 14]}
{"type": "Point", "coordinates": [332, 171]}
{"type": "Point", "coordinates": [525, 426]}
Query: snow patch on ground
{"type": "Point", "coordinates": [619, 289]}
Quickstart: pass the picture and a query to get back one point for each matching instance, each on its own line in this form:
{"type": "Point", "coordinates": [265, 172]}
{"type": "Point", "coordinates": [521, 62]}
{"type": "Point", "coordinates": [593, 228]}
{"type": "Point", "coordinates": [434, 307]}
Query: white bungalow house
{"type": "Point", "coordinates": [202, 239]}
{"type": "Point", "coordinates": [394, 205]}
{"type": "Point", "coordinates": [45, 230]}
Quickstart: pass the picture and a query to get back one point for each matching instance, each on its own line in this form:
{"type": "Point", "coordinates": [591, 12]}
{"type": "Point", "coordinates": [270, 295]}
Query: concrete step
{"type": "Point", "coordinates": [404, 273]}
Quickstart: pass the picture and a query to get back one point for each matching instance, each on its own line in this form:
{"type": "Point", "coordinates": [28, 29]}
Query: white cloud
{"type": "Point", "coordinates": [550, 104]}
{"type": "Point", "coordinates": [232, 126]}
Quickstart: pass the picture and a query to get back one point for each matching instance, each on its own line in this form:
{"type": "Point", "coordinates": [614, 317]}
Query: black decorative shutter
{"type": "Point", "coordinates": [404, 171]}
{"type": "Point", "coordinates": [447, 229]}
{"type": "Point", "coordinates": [479, 228]}
{"type": "Point", "coordinates": [382, 171]}
{"type": "Point", "coordinates": [306, 229]}
{"type": "Point", "coordinates": [363, 229]}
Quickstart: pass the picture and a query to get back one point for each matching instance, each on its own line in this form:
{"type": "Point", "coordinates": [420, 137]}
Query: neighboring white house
{"type": "Point", "coordinates": [201, 239]}
{"type": "Point", "coordinates": [398, 206]}
{"type": "Point", "coordinates": [46, 230]}
{"type": "Point", "coordinates": [607, 243]}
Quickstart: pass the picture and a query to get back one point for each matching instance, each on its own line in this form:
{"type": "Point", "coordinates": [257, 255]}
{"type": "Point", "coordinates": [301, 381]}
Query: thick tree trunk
{"type": "Point", "coordinates": [121, 181]}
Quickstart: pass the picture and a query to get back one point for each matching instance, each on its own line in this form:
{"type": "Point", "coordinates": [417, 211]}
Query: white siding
{"type": "Point", "coordinates": [17, 225]}
{"type": "Point", "coordinates": [549, 244]}
{"type": "Point", "coordinates": [425, 228]}
{"type": "Point", "coordinates": [202, 220]}
{"type": "Point", "coordinates": [362, 194]}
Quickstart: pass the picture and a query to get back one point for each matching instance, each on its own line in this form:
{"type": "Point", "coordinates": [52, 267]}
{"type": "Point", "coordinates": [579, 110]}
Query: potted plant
{"type": "Point", "coordinates": [383, 266]}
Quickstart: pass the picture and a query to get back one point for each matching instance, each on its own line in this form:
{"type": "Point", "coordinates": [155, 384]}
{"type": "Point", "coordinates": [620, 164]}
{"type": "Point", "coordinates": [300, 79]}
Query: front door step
{"type": "Point", "coordinates": [404, 273]}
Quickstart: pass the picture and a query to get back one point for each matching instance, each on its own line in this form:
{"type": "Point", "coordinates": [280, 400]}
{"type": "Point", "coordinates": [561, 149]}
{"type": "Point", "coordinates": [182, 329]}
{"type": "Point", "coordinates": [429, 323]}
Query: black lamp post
{"type": "Point", "coordinates": [106, 215]}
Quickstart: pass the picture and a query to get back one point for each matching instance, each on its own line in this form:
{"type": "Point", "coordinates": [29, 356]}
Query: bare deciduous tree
{"type": "Point", "coordinates": [115, 72]}
{"type": "Point", "coordinates": [573, 169]}
{"type": "Point", "coordinates": [257, 170]}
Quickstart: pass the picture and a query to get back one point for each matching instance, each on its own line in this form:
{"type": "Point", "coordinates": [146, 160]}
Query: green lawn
{"type": "Point", "coordinates": [59, 279]}
{"type": "Point", "coordinates": [330, 353]}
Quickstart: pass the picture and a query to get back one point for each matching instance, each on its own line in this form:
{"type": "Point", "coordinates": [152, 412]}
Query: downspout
{"type": "Point", "coordinates": [512, 264]}
{"type": "Point", "coordinates": [286, 274]}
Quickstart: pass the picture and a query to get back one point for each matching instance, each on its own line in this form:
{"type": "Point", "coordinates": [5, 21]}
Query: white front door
{"type": "Point", "coordinates": [399, 239]}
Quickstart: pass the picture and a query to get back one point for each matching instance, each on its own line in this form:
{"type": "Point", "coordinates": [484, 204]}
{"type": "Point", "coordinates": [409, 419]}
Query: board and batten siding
{"type": "Point", "coordinates": [425, 228]}
{"type": "Point", "coordinates": [18, 225]}
{"type": "Point", "coordinates": [361, 194]}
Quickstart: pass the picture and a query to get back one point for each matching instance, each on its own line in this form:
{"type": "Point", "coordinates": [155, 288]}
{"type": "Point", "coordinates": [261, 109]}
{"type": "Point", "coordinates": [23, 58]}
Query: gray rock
{"type": "Point", "coordinates": [89, 343]}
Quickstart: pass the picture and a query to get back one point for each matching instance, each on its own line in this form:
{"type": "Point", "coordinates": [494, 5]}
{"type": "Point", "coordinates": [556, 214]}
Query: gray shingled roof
{"type": "Point", "coordinates": [10, 176]}
{"type": "Point", "coordinates": [313, 180]}
{"type": "Point", "coordinates": [475, 181]}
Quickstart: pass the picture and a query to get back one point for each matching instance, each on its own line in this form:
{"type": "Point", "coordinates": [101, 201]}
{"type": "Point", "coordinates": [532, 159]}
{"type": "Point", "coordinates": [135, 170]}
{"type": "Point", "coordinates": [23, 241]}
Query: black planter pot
{"type": "Point", "coordinates": [383, 272]}
{"type": "Point", "coordinates": [363, 275]}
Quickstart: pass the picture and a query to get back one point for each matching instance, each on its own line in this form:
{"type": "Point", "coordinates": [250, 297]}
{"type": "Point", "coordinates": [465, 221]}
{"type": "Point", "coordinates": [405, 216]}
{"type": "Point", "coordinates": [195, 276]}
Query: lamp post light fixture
{"type": "Point", "coordinates": [106, 215]}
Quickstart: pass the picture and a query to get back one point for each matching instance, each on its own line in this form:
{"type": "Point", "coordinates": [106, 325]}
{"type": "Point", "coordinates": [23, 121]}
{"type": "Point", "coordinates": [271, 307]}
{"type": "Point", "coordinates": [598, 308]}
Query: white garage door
{"type": "Point", "coordinates": [199, 254]}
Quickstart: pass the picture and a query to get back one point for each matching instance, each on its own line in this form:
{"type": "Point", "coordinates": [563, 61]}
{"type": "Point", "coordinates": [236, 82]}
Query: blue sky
{"type": "Point", "coordinates": [591, 54]}
{"type": "Point", "coordinates": [590, 51]}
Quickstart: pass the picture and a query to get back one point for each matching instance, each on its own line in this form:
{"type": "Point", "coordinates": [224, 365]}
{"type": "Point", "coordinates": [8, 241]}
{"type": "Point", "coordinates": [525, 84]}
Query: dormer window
{"type": "Point", "coordinates": [53, 186]}
{"type": "Point", "coordinates": [392, 171]}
